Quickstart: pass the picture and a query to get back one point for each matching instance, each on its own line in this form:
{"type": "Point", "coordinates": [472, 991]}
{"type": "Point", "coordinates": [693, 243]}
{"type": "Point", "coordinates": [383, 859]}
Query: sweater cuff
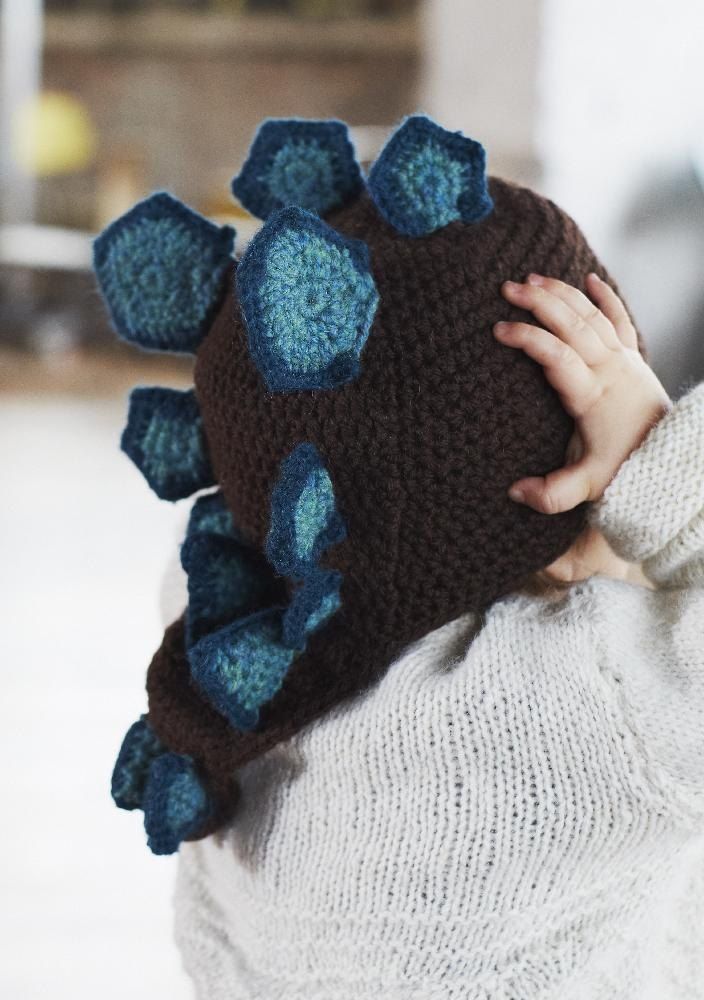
{"type": "Point", "coordinates": [652, 511]}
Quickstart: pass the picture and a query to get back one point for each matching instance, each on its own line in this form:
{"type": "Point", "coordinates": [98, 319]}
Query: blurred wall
{"type": "Point", "coordinates": [601, 107]}
{"type": "Point", "coordinates": [176, 99]}
{"type": "Point", "coordinates": [480, 71]}
{"type": "Point", "coordinates": [598, 106]}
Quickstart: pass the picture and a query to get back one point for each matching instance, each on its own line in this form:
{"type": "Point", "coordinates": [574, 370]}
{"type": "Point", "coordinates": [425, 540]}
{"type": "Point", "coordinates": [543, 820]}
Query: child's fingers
{"type": "Point", "coordinates": [561, 319]}
{"type": "Point", "coordinates": [560, 490]}
{"type": "Point", "coordinates": [615, 311]}
{"type": "Point", "coordinates": [563, 367]}
{"type": "Point", "coordinates": [583, 306]}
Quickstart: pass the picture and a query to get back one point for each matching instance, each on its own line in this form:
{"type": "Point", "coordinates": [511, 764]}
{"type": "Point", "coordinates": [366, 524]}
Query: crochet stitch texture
{"type": "Point", "coordinates": [162, 301]}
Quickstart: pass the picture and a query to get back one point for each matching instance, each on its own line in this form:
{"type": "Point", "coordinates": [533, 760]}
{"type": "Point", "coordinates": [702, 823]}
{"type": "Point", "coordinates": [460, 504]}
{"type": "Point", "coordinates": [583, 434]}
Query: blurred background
{"type": "Point", "coordinates": [600, 106]}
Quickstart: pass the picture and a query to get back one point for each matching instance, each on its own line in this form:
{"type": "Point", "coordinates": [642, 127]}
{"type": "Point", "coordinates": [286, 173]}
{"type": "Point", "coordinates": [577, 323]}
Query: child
{"type": "Point", "coordinates": [512, 806]}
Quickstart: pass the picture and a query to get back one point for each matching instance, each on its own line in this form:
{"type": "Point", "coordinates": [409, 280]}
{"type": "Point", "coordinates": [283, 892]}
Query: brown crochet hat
{"type": "Point", "coordinates": [361, 424]}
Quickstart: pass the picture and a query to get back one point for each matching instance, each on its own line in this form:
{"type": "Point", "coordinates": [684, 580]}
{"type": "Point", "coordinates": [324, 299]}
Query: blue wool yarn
{"type": "Point", "coordinates": [238, 653]}
{"type": "Point", "coordinates": [225, 581]}
{"type": "Point", "coordinates": [162, 269]}
{"type": "Point", "coordinates": [129, 777]}
{"type": "Point", "coordinates": [241, 666]}
{"type": "Point", "coordinates": [304, 518]}
{"type": "Point", "coordinates": [176, 803]}
{"type": "Point", "coordinates": [313, 603]}
{"type": "Point", "coordinates": [426, 177]}
{"type": "Point", "coordinates": [293, 161]}
{"type": "Point", "coordinates": [308, 300]}
{"type": "Point", "coordinates": [211, 514]}
{"type": "Point", "coordinates": [164, 439]}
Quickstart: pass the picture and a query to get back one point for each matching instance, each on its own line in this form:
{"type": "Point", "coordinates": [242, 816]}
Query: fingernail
{"type": "Point", "coordinates": [516, 494]}
{"type": "Point", "coordinates": [535, 279]}
{"type": "Point", "coordinates": [593, 274]}
{"type": "Point", "coordinates": [511, 284]}
{"type": "Point", "coordinates": [501, 327]}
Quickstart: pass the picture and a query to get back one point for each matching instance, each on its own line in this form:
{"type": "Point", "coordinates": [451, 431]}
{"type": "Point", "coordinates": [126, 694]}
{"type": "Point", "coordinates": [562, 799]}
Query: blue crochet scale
{"type": "Point", "coordinates": [225, 581]}
{"type": "Point", "coordinates": [164, 439]}
{"type": "Point", "coordinates": [129, 777]}
{"type": "Point", "coordinates": [313, 603]}
{"type": "Point", "coordinates": [211, 514]}
{"type": "Point", "coordinates": [225, 578]}
{"type": "Point", "coordinates": [308, 300]}
{"type": "Point", "coordinates": [162, 269]}
{"type": "Point", "coordinates": [242, 664]}
{"type": "Point", "coordinates": [176, 803]}
{"type": "Point", "coordinates": [426, 177]}
{"type": "Point", "coordinates": [297, 162]}
{"type": "Point", "coordinates": [304, 519]}
{"type": "Point", "coordinates": [166, 786]}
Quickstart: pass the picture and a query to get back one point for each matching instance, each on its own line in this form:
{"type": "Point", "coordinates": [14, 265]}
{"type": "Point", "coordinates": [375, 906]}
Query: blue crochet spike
{"type": "Point", "coordinates": [211, 514]}
{"type": "Point", "coordinates": [176, 803]}
{"type": "Point", "coordinates": [308, 300]}
{"type": "Point", "coordinates": [226, 580]}
{"type": "Point", "coordinates": [304, 519]}
{"type": "Point", "coordinates": [313, 603]}
{"type": "Point", "coordinates": [162, 269]}
{"type": "Point", "coordinates": [139, 748]}
{"type": "Point", "coordinates": [241, 666]}
{"type": "Point", "coordinates": [426, 177]}
{"type": "Point", "coordinates": [296, 162]}
{"type": "Point", "coordinates": [164, 439]}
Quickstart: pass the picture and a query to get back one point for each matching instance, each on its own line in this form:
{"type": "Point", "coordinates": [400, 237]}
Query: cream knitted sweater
{"type": "Point", "coordinates": [514, 812]}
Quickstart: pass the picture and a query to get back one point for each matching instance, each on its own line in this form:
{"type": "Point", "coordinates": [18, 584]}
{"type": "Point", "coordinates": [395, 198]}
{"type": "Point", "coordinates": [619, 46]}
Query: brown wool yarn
{"type": "Point", "coordinates": [421, 449]}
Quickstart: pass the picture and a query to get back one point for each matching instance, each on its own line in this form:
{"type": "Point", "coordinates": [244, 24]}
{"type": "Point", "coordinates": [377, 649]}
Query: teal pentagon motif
{"type": "Point", "coordinates": [164, 785]}
{"type": "Point", "coordinates": [140, 747]}
{"type": "Point", "coordinates": [162, 269]}
{"type": "Point", "coordinates": [308, 300]}
{"type": "Point", "coordinates": [226, 580]}
{"type": "Point", "coordinates": [304, 516]}
{"type": "Point", "coordinates": [298, 162]}
{"type": "Point", "coordinates": [241, 666]}
{"type": "Point", "coordinates": [427, 177]}
{"type": "Point", "coordinates": [164, 439]}
{"type": "Point", "coordinates": [176, 802]}
{"type": "Point", "coordinates": [313, 603]}
{"type": "Point", "coordinates": [210, 514]}
{"type": "Point", "coordinates": [240, 638]}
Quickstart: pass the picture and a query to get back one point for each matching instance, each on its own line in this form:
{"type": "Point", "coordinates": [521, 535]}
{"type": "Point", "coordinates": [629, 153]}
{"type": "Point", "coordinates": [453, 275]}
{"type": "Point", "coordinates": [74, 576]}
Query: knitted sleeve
{"type": "Point", "coordinates": [653, 512]}
{"type": "Point", "coordinates": [200, 928]}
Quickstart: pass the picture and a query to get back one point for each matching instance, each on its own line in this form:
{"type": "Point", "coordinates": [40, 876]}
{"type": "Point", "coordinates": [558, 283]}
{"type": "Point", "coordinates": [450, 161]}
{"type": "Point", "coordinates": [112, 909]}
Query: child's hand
{"type": "Point", "coordinates": [591, 358]}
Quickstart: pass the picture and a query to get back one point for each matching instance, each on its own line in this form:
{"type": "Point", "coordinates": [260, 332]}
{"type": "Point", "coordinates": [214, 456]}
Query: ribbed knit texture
{"type": "Point", "coordinates": [515, 811]}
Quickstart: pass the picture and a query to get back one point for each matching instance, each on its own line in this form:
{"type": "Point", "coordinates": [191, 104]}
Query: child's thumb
{"type": "Point", "coordinates": [560, 490]}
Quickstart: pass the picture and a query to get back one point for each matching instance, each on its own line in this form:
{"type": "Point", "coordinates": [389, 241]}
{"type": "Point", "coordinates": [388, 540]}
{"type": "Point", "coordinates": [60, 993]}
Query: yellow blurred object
{"type": "Point", "coordinates": [53, 134]}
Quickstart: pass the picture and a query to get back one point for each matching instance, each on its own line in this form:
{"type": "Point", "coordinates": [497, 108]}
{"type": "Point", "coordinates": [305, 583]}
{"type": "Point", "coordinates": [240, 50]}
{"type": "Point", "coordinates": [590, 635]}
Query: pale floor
{"type": "Point", "coordinates": [86, 908]}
